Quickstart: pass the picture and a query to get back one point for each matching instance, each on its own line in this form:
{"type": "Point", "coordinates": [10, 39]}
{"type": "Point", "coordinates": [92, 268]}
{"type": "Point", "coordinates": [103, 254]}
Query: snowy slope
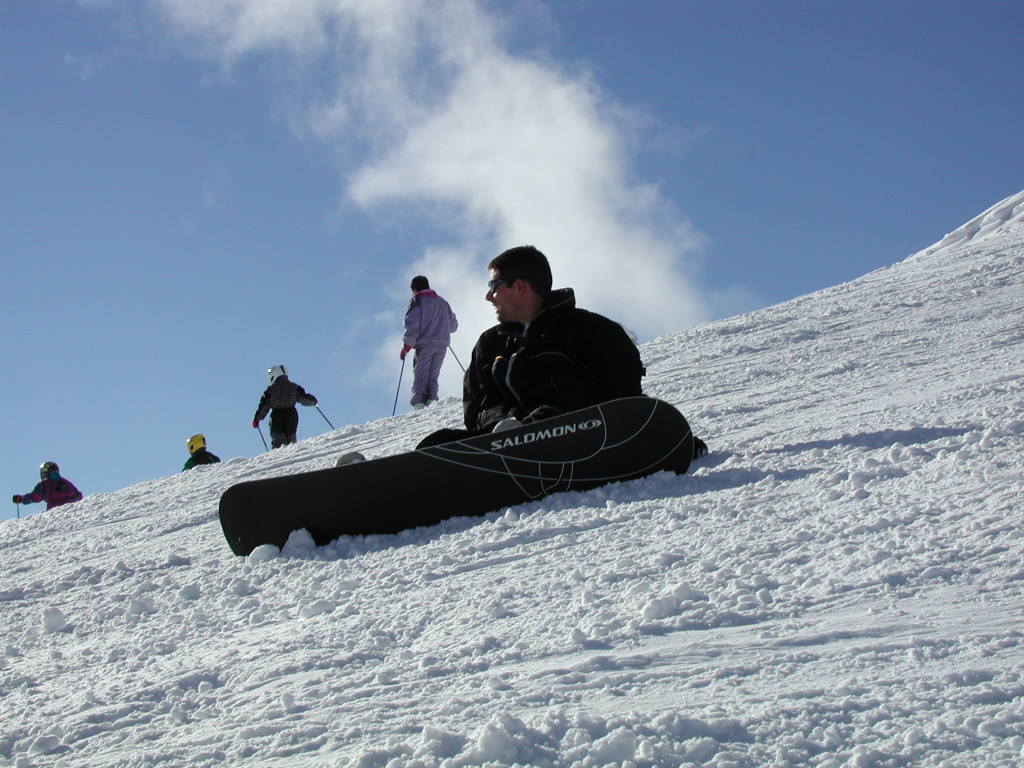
{"type": "Point", "coordinates": [839, 584]}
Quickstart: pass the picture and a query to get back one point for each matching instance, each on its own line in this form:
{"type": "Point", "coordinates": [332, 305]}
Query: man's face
{"type": "Point", "coordinates": [508, 299]}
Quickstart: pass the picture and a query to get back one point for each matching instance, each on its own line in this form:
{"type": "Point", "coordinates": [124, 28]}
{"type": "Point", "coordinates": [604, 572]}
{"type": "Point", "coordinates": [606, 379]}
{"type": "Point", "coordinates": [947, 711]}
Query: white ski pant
{"type": "Point", "coordinates": [426, 367]}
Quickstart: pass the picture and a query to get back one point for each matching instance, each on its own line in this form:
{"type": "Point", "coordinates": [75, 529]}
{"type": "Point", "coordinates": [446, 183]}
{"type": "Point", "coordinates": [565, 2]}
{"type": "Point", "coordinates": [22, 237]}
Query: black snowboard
{"type": "Point", "coordinates": [617, 440]}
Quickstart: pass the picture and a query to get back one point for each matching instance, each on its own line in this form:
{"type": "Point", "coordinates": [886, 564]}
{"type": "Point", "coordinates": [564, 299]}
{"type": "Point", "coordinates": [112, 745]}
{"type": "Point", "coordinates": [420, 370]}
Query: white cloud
{"type": "Point", "coordinates": [235, 28]}
{"type": "Point", "coordinates": [515, 150]}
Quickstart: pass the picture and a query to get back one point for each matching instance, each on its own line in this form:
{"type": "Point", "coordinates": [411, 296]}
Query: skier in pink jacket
{"type": "Point", "coordinates": [429, 324]}
{"type": "Point", "coordinates": [53, 489]}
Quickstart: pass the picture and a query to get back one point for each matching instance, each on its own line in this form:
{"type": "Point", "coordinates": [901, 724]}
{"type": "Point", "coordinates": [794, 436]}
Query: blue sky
{"type": "Point", "coordinates": [196, 190]}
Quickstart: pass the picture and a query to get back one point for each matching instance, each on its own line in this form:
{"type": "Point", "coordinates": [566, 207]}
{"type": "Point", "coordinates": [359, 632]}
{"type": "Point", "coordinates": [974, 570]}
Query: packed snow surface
{"type": "Point", "coordinates": [839, 583]}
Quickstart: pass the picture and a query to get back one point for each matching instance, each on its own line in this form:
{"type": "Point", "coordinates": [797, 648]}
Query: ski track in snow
{"type": "Point", "coordinates": [839, 583]}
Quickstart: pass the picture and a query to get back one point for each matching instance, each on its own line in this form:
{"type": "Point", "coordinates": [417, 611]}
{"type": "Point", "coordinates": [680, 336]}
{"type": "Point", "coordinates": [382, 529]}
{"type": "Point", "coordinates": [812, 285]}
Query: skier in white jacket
{"type": "Point", "coordinates": [429, 324]}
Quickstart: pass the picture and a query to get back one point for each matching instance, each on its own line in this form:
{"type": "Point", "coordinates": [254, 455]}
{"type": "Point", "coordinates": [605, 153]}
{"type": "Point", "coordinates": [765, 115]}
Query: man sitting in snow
{"type": "Point", "coordinates": [546, 356]}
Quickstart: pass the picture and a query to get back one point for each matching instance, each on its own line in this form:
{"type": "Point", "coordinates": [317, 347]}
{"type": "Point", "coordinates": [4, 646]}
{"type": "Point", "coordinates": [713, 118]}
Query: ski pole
{"type": "Point", "coordinates": [19, 510]}
{"type": "Point", "coordinates": [265, 448]}
{"type": "Point", "coordinates": [400, 373]}
{"type": "Point", "coordinates": [457, 359]}
{"type": "Point", "coordinates": [326, 419]}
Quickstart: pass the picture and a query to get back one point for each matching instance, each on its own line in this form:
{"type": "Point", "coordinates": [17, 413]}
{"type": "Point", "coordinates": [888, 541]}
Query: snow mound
{"type": "Point", "coordinates": [1004, 214]}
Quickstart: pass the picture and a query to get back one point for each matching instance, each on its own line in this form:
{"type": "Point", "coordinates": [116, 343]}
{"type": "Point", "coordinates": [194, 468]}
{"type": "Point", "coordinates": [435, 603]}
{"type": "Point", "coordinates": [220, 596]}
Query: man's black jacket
{"type": "Point", "coordinates": [566, 359]}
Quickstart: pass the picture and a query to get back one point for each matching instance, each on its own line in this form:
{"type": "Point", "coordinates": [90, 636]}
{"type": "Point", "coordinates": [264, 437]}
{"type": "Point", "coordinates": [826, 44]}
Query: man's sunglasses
{"type": "Point", "coordinates": [492, 285]}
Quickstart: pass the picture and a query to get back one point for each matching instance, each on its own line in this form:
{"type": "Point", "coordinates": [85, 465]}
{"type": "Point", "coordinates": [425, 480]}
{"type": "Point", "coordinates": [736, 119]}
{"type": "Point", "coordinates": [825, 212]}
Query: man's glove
{"type": "Point", "coordinates": [700, 448]}
{"type": "Point", "coordinates": [488, 418]}
{"type": "Point", "coordinates": [255, 424]}
{"type": "Point", "coordinates": [542, 412]}
{"type": "Point", "coordinates": [17, 498]}
{"type": "Point", "coordinates": [404, 352]}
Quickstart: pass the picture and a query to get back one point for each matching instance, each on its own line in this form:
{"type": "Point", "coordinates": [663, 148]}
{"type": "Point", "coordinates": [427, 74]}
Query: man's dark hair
{"type": "Point", "coordinates": [526, 263]}
{"type": "Point", "coordinates": [420, 283]}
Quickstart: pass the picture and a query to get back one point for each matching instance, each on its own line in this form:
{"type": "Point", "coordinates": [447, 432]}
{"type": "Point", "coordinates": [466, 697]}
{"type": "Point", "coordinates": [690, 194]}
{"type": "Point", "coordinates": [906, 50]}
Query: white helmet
{"type": "Point", "coordinates": [275, 371]}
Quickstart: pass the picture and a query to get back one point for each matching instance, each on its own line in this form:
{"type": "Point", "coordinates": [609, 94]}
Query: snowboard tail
{"type": "Point", "coordinates": [618, 440]}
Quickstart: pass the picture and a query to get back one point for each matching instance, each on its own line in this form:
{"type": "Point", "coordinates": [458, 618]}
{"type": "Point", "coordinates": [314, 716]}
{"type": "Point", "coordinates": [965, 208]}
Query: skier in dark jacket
{"type": "Point", "coordinates": [279, 401]}
{"type": "Point", "coordinates": [197, 453]}
{"type": "Point", "coordinates": [52, 488]}
{"type": "Point", "coordinates": [546, 356]}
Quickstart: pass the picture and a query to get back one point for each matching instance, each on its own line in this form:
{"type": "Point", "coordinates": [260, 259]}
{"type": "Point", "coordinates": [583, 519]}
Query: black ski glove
{"type": "Point", "coordinates": [542, 412]}
{"type": "Point", "coordinates": [700, 448]}
{"type": "Point", "coordinates": [487, 418]}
